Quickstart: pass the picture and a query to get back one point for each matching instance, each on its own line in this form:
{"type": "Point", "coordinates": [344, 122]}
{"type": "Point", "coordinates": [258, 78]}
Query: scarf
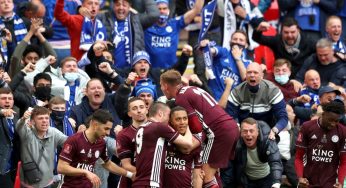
{"type": "Point", "coordinates": [339, 47]}
{"type": "Point", "coordinates": [18, 26]}
{"type": "Point", "coordinates": [207, 17]}
{"type": "Point", "coordinates": [70, 94]}
{"type": "Point", "coordinates": [293, 50]}
{"type": "Point", "coordinates": [91, 32]}
{"type": "Point", "coordinates": [122, 40]}
{"type": "Point", "coordinates": [3, 53]}
{"type": "Point", "coordinates": [230, 23]}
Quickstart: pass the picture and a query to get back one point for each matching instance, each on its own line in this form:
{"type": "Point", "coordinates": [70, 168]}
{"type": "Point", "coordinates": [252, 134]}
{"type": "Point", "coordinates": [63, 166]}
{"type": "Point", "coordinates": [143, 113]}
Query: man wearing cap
{"type": "Point", "coordinates": [326, 94]}
{"type": "Point", "coordinates": [322, 142]}
{"type": "Point", "coordinates": [145, 90]}
{"type": "Point", "coordinates": [141, 68]}
{"type": "Point", "coordinates": [161, 39]}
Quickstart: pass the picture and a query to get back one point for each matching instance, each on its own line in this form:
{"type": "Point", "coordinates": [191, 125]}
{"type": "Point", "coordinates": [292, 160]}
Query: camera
{"type": "Point", "coordinates": [2, 32]}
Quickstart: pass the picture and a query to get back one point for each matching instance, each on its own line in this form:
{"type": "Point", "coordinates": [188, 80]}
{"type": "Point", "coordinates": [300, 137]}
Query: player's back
{"type": "Point", "coordinates": [150, 153]}
{"type": "Point", "coordinates": [196, 100]}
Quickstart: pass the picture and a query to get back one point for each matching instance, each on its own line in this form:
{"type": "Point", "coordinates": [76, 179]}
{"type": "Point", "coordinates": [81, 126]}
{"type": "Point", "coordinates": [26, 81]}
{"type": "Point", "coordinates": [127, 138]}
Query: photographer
{"type": "Point", "coordinates": [227, 63]}
{"type": "Point", "coordinates": [38, 144]}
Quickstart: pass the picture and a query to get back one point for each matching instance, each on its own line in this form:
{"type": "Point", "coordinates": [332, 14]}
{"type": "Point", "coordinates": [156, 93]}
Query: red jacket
{"type": "Point", "coordinates": [74, 25]}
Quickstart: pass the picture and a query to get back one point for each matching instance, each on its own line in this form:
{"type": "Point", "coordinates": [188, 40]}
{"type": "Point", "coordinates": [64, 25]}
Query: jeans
{"type": "Point", "coordinates": [265, 182]}
{"type": "Point", "coordinates": [227, 176]}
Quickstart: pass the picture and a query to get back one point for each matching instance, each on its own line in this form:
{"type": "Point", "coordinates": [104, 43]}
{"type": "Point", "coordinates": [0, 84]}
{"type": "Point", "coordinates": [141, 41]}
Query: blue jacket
{"type": "Point", "coordinates": [267, 150]}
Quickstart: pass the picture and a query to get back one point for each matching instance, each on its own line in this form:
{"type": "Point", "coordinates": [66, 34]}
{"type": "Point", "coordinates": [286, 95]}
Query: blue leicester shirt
{"type": "Point", "coordinates": [224, 66]}
{"type": "Point", "coordinates": [313, 95]}
{"type": "Point", "coordinates": [161, 43]}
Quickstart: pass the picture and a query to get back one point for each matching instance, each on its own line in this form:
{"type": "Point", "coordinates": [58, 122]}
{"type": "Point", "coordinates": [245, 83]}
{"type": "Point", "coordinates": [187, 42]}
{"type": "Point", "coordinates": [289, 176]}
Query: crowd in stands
{"type": "Point", "coordinates": [95, 93]}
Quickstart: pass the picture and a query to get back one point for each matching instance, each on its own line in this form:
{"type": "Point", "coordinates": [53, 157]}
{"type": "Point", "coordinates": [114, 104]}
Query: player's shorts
{"type": "Point", "coordinates": [219, 150]}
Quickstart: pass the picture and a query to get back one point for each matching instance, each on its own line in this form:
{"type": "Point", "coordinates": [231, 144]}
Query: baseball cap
{"type": "Point", "coordinates": [327, 89]}
{"type": "Point", "coordinates": [139, 56]}
{"type": "Point", "coordinates": [145, 85]}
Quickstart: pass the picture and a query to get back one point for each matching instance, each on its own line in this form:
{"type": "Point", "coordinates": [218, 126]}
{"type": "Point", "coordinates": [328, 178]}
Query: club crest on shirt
{"type": "Point", "coordinates": [67, 148]}
{"type": "Point", "coordinates": [97, 154]}
{"type": "Point", "coordinates": [335, 138]}
{"type": "Point", "coordinates": [169, 29]}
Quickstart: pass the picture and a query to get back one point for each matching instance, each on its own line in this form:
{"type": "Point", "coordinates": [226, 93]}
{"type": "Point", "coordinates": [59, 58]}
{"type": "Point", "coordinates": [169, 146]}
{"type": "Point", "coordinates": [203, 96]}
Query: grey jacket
{"type": "Point", "coordinates": [139, 23]}
{"type": "Point", "coordinates": [30, 143]}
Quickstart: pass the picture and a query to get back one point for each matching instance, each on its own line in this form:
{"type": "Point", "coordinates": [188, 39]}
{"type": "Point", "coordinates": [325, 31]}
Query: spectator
{"type": "Point", "coordinates": [162, 38]}
{"type": "Point", "coordinates": [83, 31]}
{"type": "Point", "coordinates": [145, 90]}
{"type": "Point", "coordinates": [151, 146]}
{"type": "Point", "coordinates": [334, 33]}
{"type": "Point", "coordinates": [291, 44]}
{"type": "Point", "coordinates": [68, 81]}
{"type": "Point", "coordinates": [125, 29]}
{"type": "Point", "coordinates": [228, 63]}
{"type": "Point", "coordinates": [322, 141]}
{"type": "Point", "coordinates": [126, 148]}
{"type": "Point", "coordinates": [95, 98]}
{"type": "Point", "coordinates": [14, 24]}
{"type": "Point", "coordinates": [9, 140]}
{"type": "Point", "coordinates": [258, 161]}
{"type": "Point", "coordinates": [259, 99]}
{"type": "Point", "coordinates": [330, 68]}
{"type": "Point", "coordinates": [281, 78]}
{"type": "Point", "coordinates": [29, 53]}
{"type": "Point", "coordinates": [38, 145]}
{"type": "Point", "coordinates": [81, 151]}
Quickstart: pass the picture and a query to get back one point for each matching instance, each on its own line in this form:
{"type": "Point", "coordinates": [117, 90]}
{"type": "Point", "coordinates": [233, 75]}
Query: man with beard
{"type": "Point", "coordinates": [126, 146]}
{"type": "Point", "coordinates": [323, 143]}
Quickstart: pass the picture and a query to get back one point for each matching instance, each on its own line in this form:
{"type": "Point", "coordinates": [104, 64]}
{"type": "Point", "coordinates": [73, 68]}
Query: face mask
{"type": "Point", "coordinates": [42, 93]}
{"type": "Point", "coordinates": [282, 79]}
{"type": "Point", "coordinates": [57, 115]}
{"type": "Point", "coordinates": [163, 19]}
{"type": "Point", "coordinates": [253, 89]}
{"type": "Point", "coordinates": [71, 76]}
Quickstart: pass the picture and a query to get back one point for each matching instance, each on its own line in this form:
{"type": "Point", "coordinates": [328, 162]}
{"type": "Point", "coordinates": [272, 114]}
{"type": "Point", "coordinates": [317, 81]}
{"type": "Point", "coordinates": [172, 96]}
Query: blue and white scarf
{"type": "Point", "coordinates": [4, 55]}
{"type": "Point", "coordinates": [207, 15]}
{"type": "Point", "coordinates": [70, 95]}
{"type": "Point", "coordinates": [124, 36]}
{"type": "Point", "coordinates": [18, 25]}
{"type": "Point", "coordinates": [339, 47]}
{"type": "Point", "coordinates": [91, 32]}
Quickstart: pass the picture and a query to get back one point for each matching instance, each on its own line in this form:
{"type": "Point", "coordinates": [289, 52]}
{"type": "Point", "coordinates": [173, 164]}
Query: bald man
{"type": "Point", "coordinates": [259, 99]}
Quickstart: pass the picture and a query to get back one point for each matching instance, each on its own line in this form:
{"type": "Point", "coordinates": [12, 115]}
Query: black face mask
{"type": "Point", "coordinates": [57, 115]}
{"type": "Point", "coordinates": [253, 89]}
{"type": "Point", "coordinates": [42, 93]}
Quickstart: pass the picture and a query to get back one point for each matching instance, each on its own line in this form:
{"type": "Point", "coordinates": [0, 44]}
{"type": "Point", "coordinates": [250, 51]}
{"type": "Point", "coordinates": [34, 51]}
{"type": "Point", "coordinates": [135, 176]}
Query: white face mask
{"type": "Point", "coordinates": [71, 76]}
{"type": "Point", "coordinates": [282, 79]}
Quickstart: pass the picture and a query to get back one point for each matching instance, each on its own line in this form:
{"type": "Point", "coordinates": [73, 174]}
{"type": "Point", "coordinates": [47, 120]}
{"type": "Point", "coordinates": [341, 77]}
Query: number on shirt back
{"type": "Point", "coordinates": [205, 95]}
{"type": "Point", "coordinates": [139, 140]}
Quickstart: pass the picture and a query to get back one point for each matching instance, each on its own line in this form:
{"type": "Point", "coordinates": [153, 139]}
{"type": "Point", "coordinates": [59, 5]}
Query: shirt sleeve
{"type": "Point", "coordinates": [166, 132]}
{"type": "Point", "coordinates": [301, 139]}
{"type": "Point", "coordinates": [104, 154]}
{"type": "Point", "coordinates": [123, 146]}
{"type": "Point", "coordinates": [69, 150]}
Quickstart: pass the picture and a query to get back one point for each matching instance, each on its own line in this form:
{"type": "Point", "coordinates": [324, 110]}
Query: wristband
{"type": "Point", "coordinates": [129, 174]}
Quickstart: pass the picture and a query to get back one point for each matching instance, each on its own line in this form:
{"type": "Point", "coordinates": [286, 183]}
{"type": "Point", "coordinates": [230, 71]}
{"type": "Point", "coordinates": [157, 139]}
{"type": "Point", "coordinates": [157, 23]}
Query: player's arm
{"type": "Point", "coordinates": [65, 168]}
{"type": "Point", "coordinates": [197, 178]}
{"type": "Point", "coordinates": [195, 143]}
{"type": "Point", "coordinates": [191, 14]}
{"type": "Point", "coordinates": [194, 123]}
{"type": "Point", "coordinates": [184, 142]}
{"type": "Point", "coordinates": [115, 169]}
{"type": "Point", "coordinates": [126, 164]}
{"type": "Point", "coordinates": [342, 168]}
